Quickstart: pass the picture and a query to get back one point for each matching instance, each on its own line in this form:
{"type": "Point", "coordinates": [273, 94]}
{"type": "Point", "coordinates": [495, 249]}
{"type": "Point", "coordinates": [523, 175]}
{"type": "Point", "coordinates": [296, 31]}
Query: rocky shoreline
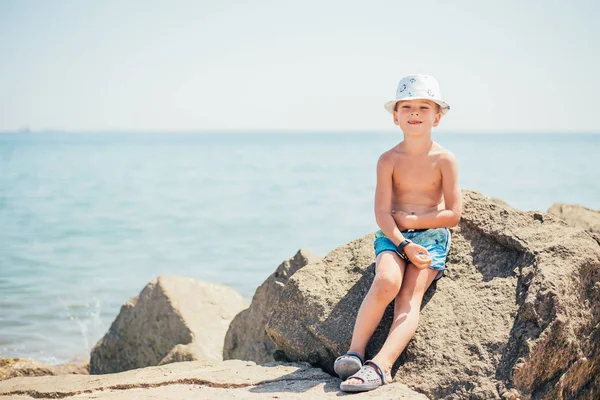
{"type": "Point", "coordinates": [516, 317]}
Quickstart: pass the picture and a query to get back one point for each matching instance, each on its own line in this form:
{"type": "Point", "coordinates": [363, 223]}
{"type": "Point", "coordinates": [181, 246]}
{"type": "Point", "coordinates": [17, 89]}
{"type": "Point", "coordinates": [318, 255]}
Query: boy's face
{"type": "Point", "coordinates": [417, 116]}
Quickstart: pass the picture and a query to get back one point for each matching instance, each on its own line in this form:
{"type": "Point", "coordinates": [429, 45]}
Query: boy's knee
{"type": "Point", "coordinates": [409, 297]}
{"type": "Point", "coordinates": [387, 282]}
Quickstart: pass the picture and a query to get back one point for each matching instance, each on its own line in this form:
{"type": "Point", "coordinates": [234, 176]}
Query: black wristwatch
{"type": "Point", "coordinates": [400, 250]}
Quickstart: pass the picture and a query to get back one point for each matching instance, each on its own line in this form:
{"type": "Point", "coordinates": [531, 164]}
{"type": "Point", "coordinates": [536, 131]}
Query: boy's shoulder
{"type": "Point", "coordinates": [442, 153]}
{"type": "Point", "coordinates": [388, 158]}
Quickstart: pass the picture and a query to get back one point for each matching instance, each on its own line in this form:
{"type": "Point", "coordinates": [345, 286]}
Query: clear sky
{"type": "Point", "coordinates": [503, 66]}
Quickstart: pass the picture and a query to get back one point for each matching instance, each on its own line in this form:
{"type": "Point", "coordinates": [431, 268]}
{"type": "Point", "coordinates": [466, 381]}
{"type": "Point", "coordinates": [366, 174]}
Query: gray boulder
{"type": "Point", "coordinates": [517, 314]}
{"type": "Point", "coordinates": [172, 319]}
{"type": "Point", "coordinates": [579, 216]}
{"type": "Point", "coordinates": [246, 338]}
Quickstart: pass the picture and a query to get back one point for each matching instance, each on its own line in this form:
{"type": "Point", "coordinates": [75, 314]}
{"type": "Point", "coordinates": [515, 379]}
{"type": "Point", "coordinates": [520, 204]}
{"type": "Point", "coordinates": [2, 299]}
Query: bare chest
{"type": "Point", "coordinates": [420, 174]}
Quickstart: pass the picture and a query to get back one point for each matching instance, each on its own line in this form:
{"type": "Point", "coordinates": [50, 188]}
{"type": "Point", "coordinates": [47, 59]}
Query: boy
{"type": "Point", "coordinates": [417, 197]}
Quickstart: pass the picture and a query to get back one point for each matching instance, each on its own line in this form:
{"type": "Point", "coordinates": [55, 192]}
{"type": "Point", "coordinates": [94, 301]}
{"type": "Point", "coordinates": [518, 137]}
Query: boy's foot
{"type": "Point", "coordinates": [369, 377]}
{"type": "Point", "coordinates": [348, 364]}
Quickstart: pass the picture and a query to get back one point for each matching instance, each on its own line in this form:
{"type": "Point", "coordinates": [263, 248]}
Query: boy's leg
{"type": "Point", "coordinates": [389, 268]}
{"type": "Point", "coordinates": [406, 316]}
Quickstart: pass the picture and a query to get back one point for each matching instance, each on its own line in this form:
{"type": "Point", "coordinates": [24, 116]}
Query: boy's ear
{"type": "Point", "coordinates": [396, 122]}
{"type": "Point", "coordinates": [438, 117]}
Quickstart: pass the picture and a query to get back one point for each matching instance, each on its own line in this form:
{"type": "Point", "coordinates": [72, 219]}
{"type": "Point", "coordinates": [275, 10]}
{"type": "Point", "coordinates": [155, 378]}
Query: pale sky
{"type": "Point", "coordinates": [503, 66]}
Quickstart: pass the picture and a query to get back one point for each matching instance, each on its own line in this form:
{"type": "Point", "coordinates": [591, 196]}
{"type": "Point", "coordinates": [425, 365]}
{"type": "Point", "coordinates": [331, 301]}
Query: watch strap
{"type": "Point", "coordinates": [400, 249]}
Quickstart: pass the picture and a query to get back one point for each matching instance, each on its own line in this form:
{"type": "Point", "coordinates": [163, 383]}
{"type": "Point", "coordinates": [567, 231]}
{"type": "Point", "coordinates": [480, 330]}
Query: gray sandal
{"type": "Point", "coordinates": [372, 376]}
{"type": "Point", "coordinates": [347, 364]}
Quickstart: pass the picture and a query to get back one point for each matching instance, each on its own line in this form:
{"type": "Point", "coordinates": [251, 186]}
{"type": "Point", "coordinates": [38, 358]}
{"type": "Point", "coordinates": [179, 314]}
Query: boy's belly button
{"type": "Point", "coordinates": [413, 208]}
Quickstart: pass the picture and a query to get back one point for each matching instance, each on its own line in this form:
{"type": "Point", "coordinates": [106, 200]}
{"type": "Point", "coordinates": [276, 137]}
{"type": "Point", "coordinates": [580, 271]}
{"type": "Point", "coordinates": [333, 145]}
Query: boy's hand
{"type": "Point", "coordinates": [418, 255]}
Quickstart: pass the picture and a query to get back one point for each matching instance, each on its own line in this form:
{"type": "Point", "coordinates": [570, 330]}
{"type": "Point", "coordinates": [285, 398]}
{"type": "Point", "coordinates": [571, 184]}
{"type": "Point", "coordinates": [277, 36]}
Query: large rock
{"type": "Point", "coordinates": [516, 315]}
{"type": "Point", "coordinates": [17, 367]}
{"type": "Point", "coordinates": [246, 338]}
{"type": "Point", "coordinates": [172, 319]}
{"type": "Point", "coordinates": [579, 216]}
{"type": "Point", "coordinates": [233, 379]}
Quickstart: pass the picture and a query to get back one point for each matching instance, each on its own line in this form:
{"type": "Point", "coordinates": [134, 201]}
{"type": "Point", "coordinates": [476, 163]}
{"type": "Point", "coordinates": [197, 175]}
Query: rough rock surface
{"type": "Point", "coordinates": [233, 379]}
{"type": "Point", "coordinates": [16, 367]}
{"type": "Point", "coordinates": [246, 338]}
{"type": "Point", "coordinates": [172, 319]}
{"type": "Point", "coordinates": [579, 216]}
{"type": "Point", "coordinates": [518, 313]}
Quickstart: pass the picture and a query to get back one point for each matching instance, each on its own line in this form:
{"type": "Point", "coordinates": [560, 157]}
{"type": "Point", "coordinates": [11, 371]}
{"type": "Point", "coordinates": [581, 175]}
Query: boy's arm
{"type": "Point", "coordinates": [452, 201]}
{"type": "Point", "coordinates": [383, 200]}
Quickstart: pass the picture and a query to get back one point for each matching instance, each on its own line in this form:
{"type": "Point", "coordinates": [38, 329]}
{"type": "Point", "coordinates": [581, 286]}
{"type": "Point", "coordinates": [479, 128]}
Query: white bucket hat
{"type": "Point", "coordinates": [418, 87]}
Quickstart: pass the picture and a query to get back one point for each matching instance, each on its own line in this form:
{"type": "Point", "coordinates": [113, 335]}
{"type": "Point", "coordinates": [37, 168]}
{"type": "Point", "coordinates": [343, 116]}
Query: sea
{"type": "Point", "coordinates": [88, 219]}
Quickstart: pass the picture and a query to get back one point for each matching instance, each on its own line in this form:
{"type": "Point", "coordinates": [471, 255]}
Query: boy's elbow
{"type": "Point", "coordinates": [456, 218]}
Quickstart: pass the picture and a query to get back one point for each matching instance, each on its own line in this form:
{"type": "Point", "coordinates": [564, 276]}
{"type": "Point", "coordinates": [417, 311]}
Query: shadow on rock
{"type": "Point", "coordinates": [300, 381]}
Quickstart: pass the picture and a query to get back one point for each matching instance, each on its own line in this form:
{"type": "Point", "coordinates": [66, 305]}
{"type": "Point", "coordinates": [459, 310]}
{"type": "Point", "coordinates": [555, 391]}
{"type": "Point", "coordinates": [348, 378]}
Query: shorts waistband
{"type": "Point", "coordinates": [414, 230]}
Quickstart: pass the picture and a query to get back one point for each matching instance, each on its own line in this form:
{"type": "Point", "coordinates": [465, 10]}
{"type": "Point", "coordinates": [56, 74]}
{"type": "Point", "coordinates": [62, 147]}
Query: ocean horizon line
{"type": "Point", "coordinates": [284, 132]}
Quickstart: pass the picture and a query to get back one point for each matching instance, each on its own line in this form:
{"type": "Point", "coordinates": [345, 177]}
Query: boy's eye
{"type": "Point", "coordinates": [424, 108]}
{"type": "Point", "coordinates": [405, 106]}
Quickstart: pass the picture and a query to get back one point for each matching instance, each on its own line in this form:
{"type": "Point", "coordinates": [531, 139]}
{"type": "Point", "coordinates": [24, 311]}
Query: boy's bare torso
{"type": "Point", "coordinates": [417, 181]}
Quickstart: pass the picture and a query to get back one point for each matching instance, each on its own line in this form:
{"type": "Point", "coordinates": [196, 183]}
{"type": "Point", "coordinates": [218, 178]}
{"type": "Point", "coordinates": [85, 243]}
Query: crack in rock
{"type": "Point", "coordinates": [185, 381]}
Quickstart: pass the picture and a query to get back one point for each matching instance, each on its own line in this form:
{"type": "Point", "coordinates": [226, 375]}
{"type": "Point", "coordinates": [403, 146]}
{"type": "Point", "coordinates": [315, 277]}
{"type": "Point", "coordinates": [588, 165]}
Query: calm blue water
{"type": "Point", "coordinates": [86, 220]}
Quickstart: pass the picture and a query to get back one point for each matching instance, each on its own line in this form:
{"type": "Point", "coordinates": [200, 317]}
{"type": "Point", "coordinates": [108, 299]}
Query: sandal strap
{"type": "Point", "coordinates": [352, 354]}
{"type": "Point", "coordinates": [378, 369]}
{"type": "Point", "coordinates": [366, 374]}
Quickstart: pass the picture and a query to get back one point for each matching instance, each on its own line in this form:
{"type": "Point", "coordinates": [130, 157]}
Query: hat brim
{"type": "Point", "coordinates": [444, 107]}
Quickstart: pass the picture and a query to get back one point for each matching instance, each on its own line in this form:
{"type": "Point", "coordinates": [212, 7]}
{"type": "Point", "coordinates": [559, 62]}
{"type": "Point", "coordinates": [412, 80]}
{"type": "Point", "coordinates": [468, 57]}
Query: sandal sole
{"type": "Point", "coordinates": [361, 387]}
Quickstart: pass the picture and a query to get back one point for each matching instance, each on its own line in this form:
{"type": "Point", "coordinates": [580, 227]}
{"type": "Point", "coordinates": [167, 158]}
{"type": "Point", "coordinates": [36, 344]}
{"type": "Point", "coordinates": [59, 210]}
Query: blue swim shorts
{"type": "Point", "coordinates": [436, 241]}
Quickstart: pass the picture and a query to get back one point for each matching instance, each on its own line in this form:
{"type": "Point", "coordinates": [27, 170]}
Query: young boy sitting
{"type": "Point", "coordinates": [417, 197]}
